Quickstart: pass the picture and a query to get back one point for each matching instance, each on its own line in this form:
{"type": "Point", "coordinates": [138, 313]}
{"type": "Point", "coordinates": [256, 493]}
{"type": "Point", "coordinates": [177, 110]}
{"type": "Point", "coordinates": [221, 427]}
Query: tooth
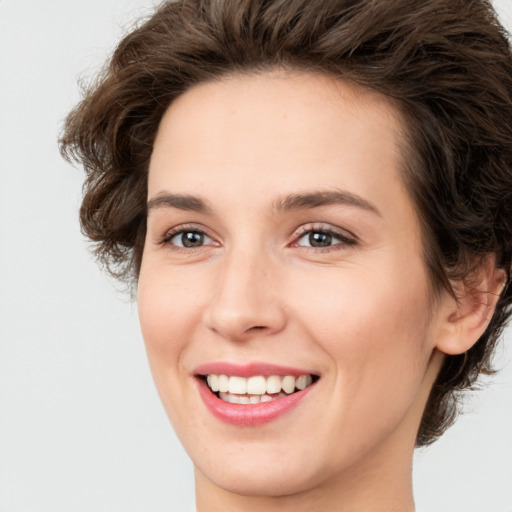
{"type": "Point", "coordinates": [303, 382]}
{"type": "Point", "coordinates": [288, 384]}
{"type": "Point", "coordinates": [256, 385]}
{"type": "Point", "coordinates": [237, 385]}
{"type": "Point", "coordinates": [273, 384]}
{"type": "Point", "coordinates": [223, 383]}
{"type": "Point", "coordinates": [213, 382]}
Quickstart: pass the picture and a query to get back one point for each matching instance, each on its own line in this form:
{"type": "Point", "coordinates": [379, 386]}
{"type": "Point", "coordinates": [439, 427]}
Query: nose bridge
{"type": "Point", "coordinates": [246, 299]}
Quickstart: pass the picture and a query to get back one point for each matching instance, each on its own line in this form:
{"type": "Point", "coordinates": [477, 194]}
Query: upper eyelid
{"type": "Point", "coordinates": [180, 228]}
{"type": "Point", "coordinates": [298, 232]}
{"type": "Point", "coordinates": [323, 227]}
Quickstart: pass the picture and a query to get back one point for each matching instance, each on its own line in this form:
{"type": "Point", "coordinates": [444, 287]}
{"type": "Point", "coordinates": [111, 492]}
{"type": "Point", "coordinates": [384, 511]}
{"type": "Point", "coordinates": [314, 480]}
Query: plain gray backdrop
{"type": "Point", "coordinates": [81, 426]}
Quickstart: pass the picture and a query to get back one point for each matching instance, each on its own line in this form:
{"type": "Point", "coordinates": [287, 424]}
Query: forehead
{"type": "Point", "coordinates": [269, 132]}
{"type": "Point", "coordinates": [276, 131]}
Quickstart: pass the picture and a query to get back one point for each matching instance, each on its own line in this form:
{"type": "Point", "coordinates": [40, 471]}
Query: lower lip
{"type": "Point", "coordinates": [250, 415]}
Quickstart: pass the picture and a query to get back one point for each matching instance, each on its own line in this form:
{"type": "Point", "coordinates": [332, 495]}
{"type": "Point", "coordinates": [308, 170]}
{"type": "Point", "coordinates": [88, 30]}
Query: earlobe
{"type": "Point", "coordinates": [466, 318]}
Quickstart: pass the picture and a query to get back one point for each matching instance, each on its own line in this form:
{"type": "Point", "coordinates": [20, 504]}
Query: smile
{"type": "Point", "coordinates": [256, 389]}
{"type": "Point", "coordinates": [254, 394]}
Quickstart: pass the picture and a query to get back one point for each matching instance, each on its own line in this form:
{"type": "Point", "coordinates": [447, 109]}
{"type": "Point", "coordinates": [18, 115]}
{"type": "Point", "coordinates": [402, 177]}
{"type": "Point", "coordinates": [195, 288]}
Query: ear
{"type": "Point", "coordinates": [465, 318]}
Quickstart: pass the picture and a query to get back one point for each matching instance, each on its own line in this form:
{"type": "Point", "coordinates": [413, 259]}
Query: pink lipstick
{"type": "Point", "coordinates": [253, 394]}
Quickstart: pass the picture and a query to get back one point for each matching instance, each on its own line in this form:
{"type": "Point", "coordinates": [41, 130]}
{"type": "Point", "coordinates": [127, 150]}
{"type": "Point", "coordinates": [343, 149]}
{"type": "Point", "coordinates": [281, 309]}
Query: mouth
{"type": "Point", "coordinates": [253, 394]}
{"type": "Point", "coordinates": [256, 389]}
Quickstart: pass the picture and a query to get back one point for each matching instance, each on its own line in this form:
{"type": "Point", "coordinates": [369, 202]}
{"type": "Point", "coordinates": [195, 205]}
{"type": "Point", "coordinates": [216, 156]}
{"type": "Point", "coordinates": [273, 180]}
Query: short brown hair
{"type": "Point", "coordinates": [447, 65]}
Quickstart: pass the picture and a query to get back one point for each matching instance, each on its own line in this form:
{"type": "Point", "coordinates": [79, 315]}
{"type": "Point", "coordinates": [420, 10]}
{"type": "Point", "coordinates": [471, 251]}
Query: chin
{"type": "Point", "coordinates": [275, 481]}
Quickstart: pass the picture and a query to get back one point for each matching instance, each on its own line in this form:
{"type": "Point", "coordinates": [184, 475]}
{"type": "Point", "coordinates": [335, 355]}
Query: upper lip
{"type": "Point", "coordinates": [249, 369]}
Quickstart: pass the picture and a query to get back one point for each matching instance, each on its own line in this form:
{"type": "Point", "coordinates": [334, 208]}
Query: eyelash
{"type": "Point", "coordinates": [344, 239]}
{"type": "Point", "coordinates": [180, 230]}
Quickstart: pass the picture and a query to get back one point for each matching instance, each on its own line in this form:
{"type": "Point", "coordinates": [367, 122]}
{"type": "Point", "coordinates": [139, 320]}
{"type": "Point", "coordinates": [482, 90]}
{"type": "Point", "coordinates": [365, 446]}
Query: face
{"type": "Point", "coordinates": [283, 265]}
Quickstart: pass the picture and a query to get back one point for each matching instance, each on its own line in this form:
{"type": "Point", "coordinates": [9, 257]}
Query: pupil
{"type": "Point", "coordinates": [192, 239]}
{"type": "Point", "coordinates": [320, 239]}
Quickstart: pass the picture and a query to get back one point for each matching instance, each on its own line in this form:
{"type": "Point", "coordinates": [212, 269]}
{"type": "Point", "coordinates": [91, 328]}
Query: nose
{"type": "Point", "coordinates": [247, 301]}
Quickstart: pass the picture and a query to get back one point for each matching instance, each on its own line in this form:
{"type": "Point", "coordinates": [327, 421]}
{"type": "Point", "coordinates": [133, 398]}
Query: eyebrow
{"type": "Point", "coordinates": [290, 202]}
{"type": "Point", "coordinates": [323, 198]}
{"type": "Point", "coordinates": [179, 201]}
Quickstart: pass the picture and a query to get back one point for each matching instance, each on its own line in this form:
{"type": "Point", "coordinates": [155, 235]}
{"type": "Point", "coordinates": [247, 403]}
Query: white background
{"type": "Point", "coordinates": [81, 427]}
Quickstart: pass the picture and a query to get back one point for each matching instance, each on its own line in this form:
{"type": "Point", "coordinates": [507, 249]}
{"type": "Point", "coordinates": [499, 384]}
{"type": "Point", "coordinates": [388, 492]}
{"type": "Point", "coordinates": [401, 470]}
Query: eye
{"type": "Point", "coordinates": [322, 239]}
{"type": "Point", "coordinates": [189, 239]}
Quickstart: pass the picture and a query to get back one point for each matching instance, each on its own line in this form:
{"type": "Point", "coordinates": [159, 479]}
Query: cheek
{"type": "Point", "coordinates": [169, 310]}
{"type": "Point", "coordinates": [374, 326]}
{"type": "Point", "coordinates": [375, 335]}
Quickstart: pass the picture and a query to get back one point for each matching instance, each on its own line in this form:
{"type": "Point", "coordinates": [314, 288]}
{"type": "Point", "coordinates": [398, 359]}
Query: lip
{"type": "Point", "coordinates": [249, 370]}
{"type": "Point", "coordinates": [249, 415]}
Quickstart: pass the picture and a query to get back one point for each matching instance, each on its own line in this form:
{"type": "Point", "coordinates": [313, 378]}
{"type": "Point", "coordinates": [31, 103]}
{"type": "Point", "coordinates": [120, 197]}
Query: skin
{"type": "Point", "coordinates": [359, 313]}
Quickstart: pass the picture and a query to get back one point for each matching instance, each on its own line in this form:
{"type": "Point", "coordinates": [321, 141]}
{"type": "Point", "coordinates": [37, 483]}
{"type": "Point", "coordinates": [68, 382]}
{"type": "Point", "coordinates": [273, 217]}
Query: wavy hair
{"type": "Point", "coordinates": [445, 63]}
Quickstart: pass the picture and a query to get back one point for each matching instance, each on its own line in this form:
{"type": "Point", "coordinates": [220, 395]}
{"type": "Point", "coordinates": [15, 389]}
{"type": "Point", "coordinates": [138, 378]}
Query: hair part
{"type": "Point", "coordinates": [446, 64]}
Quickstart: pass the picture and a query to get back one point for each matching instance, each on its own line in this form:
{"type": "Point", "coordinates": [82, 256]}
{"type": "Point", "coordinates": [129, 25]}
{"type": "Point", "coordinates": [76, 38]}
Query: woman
{"type": "Point", "coordinates": [313, 199]}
